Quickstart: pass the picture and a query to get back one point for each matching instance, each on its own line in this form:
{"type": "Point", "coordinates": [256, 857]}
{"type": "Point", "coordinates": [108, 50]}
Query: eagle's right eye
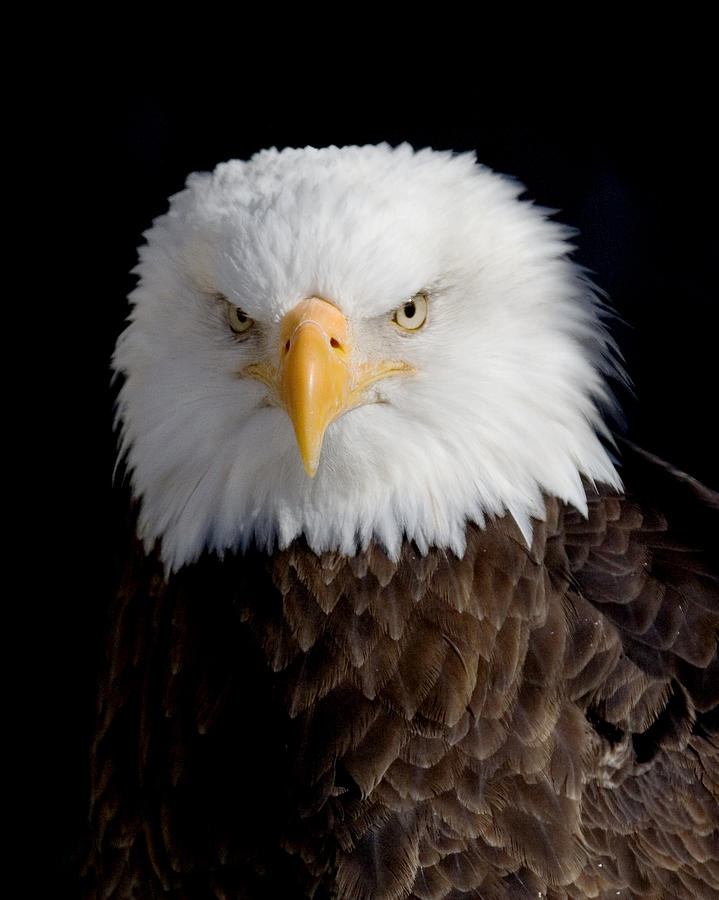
{"type": "Point", "coordinates": [239, 321]}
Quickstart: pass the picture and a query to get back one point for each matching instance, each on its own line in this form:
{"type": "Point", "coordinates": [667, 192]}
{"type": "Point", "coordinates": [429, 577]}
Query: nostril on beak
{"type": "Point", "coordinates": [335, 344]}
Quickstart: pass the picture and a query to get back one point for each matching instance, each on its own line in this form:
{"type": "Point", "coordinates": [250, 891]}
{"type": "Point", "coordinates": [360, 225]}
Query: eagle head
{"type": "Point", "coordinates": [356, 344]}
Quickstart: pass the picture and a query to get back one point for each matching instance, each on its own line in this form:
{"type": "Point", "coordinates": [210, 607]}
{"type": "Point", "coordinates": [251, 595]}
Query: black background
{"type": "Point", "coordinates": [620, 143]}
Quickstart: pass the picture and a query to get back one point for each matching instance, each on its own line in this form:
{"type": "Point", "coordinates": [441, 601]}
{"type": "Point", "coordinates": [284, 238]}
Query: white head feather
{"type": "Point", "coordinates": [503, 407]}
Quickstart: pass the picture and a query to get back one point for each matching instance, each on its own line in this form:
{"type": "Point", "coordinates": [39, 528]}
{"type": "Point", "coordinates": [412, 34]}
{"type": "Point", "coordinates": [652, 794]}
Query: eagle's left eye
{"type": "Point", "coordinates": [239, 321]}
{"type": "Point", "coordinates": [412, 314]}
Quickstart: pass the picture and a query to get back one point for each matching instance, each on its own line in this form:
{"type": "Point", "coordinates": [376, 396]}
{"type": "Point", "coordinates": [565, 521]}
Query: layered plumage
{"type": "Point", "coordinates": [451, 656]}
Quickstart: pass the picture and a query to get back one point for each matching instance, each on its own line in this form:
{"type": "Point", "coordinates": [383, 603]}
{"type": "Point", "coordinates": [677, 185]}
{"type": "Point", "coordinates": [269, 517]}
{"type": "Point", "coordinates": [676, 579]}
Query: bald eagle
{"type": "Point", "coordinates": [399, 618]}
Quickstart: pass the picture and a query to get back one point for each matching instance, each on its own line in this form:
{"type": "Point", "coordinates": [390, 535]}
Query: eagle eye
{"type": "Point", "coordinates": [412, 314]}
{"type": "Point", "coordinates": [239, 321]}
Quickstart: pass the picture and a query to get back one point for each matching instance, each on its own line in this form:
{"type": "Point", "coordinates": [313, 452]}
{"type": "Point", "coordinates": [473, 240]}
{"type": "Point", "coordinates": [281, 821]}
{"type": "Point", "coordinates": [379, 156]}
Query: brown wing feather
{"type": "Point", "coordinates": [657, 584]}
{"type": "Point", "coordinates": [512, 724]}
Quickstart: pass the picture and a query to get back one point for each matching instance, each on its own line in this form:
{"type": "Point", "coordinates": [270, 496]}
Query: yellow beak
{"type": "Point", "coordinates": [318, 377]}
{"type": "Point", "coordinates": [315, 381]}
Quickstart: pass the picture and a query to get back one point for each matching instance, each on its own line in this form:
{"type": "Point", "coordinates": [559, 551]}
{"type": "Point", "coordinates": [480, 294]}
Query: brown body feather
{"type": "Point", "coordinates": [515, 723]}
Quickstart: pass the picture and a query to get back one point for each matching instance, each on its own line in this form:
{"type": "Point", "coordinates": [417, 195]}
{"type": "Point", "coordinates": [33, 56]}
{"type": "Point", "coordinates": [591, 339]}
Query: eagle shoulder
{"type": "Point", "coordinates": [518, 719]}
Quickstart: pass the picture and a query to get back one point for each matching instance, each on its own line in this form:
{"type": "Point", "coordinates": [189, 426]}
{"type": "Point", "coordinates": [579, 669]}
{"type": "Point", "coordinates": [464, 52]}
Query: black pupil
{"type": "Point", "coordinates": [409, 310]}
{"type": "Point", "coordinates": [241, 317]}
